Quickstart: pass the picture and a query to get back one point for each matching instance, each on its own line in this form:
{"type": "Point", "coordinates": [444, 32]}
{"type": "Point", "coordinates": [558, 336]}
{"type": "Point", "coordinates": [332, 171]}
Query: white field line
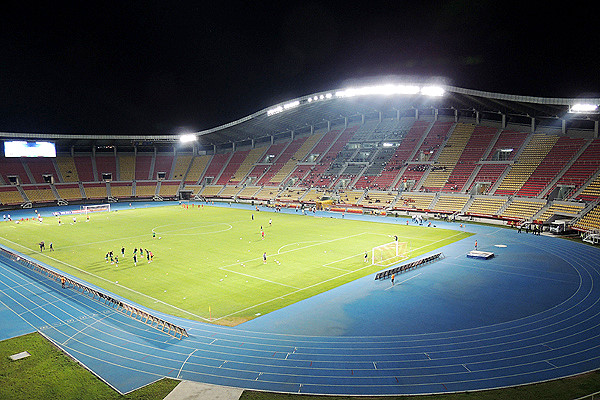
{"type": "Point", "coordinates": [223, 267]}
{"type": "Point", "coordinates": [295, 291]}
{"type": "Point", "coordinates": [111, 282]}
{"type": "Point", "coordinates": [318, 243]}
{"type": "Point", "coordinates": [146, 235]}
{"type": "Point", "coordinates": [255, 277]}
{"type": "Point", "coordinates": [322, 282]}
{"type": "Point", "coordinates": [437, 241]}
{"type": "Point", "coordinates": [279, 252]}
{"type": "Point", "coordinates": [171, 232]}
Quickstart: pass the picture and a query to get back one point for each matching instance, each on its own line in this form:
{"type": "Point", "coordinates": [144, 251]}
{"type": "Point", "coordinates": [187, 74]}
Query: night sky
{"type": "Point", "coordinates": [153, 67]}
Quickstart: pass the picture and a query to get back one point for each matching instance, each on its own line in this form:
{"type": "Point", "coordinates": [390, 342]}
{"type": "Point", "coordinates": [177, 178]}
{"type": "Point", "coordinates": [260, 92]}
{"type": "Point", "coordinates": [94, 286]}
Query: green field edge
{"type": "Point", "coordinates": [570, 388]}
{"type": "Point", "coordinates": [240, 316]}
{"type": "Point", "coordinates": [50, 373]}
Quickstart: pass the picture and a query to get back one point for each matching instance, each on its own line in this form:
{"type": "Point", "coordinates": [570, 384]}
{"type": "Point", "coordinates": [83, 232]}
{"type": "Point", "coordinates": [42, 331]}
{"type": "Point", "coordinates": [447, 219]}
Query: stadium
{"type": "Point", "coordinates": [483, 206]}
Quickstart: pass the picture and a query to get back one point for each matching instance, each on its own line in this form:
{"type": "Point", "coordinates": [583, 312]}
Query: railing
{"type": "Point", "coordinates": [407, 267]}
{"type": "Point", "coordinates": [124, 308]}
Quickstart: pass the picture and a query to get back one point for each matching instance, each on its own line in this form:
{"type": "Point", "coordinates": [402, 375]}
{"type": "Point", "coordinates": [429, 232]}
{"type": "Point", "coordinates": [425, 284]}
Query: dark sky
{"type": "Point", "coordinates": [153, 67]}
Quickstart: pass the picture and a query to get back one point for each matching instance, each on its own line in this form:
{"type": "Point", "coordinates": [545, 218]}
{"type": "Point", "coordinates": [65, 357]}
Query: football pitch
{"type": "Point", "coordinates": [209, 262]}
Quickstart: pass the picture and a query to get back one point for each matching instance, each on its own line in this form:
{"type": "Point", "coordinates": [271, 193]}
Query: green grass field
{"type": "Point", "coordinates": [208, 261]}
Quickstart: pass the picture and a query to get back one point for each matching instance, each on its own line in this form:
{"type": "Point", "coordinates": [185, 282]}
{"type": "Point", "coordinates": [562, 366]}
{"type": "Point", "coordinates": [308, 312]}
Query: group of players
{"type": "Point", "coordinates": [114, 259]}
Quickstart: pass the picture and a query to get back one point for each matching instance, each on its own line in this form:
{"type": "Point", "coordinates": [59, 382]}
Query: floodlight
{"type": "Point", "coordinates": [385, 90]}
{"type": "Point", "coordinates": [584, 108]}
{"type": "Point", "coordinates": [188, 137]}
{"type": "Point", "coordinates": [293, 104]}
{"type": "Point", "coordinates": [434, 91]}
{"type": "Point", "coordinates": [274, 111]}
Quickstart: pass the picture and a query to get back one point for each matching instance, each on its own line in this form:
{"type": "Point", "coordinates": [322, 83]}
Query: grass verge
{"type": "Point", "coordinates": [50, 374]}
{"type": "Point", "coordinates": [559, 389]}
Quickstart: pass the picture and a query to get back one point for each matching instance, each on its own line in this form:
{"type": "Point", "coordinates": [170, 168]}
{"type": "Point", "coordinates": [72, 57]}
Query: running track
{"type": "Point", "coordinates": [530, 314]}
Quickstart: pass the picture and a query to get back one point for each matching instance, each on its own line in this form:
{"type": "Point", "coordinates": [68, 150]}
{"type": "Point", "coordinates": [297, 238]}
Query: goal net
{"type": "Point", "coordinates": [95, 208]}
{"type": "Point", "coordinates": [389, 253]}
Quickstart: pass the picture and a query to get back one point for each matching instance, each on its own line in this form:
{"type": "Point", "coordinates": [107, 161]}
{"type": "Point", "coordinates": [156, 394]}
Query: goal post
{"type": "Point", "coordinates": [95, 208]}
{"type": "Point", "coordinates": [389, 253]}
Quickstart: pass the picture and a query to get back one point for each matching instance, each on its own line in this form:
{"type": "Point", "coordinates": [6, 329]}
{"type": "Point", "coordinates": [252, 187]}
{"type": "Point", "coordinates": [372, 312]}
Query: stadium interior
{"type": "Point", "coordinates": [510, 158]}
{"type": "Point", "coordinates": [385, 150]}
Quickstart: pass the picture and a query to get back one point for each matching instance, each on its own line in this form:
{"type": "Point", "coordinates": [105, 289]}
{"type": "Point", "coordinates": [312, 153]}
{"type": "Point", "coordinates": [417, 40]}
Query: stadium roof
{"type": "Point", "coordinates": [328, 108]}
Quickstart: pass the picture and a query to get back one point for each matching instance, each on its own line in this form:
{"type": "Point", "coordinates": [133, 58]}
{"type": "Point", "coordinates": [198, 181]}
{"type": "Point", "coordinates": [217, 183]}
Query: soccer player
{"type": "Point", "coordinates": [270, 221]}
{"type": "Point", "coordinates": [51, 248]}
{"type": "Point", "coordinates": [263, 234]}
{"type": "Point", "coordinates": [393, 277]}
{"type": "Point", "coordinates": [135, 259]}
{"type": "Point", "coordinates": [122, 251]}
{"type": "Point", "coordinates": [265, 257]}
{"type": "Point", "coordinates": [366, 257]}
{"type": "Point", "coordinates": [116, 261]}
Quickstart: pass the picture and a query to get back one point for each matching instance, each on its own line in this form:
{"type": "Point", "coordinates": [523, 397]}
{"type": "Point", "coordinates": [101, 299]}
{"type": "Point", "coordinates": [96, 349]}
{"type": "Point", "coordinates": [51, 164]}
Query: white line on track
{"type": "Point", "coordinates": [84, 328]}
{"type": "Point", "coordinates": [147, 371]}
{"type": "Point", "coordinates": [406, 280]}
{"type": "Point", "coordinates": [188, 357]}
{"type": "Point", "coordinates": [510, 273]}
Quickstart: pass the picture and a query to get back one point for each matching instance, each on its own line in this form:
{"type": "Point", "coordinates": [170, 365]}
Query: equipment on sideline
{"type": "Point", "coordinates": [483, 255]}
{"type": "Point", "coordinates": [389, 253]}
{"type": "Point", "coordinates": [409, 266]}
{"type": "Point", "coordinates": [95, 208]}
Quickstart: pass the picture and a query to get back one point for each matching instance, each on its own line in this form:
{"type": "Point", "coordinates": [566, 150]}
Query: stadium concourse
{"type": "Point", "coordinates": [527, 315]}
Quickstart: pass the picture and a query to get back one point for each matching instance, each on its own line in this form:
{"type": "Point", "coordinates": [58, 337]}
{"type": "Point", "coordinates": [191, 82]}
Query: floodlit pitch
{"type": "Point", "coordinates": [218, 264]}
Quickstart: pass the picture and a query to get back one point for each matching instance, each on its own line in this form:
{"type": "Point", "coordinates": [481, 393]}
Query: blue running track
{"type": "Point", "coordinates": [530, 314]}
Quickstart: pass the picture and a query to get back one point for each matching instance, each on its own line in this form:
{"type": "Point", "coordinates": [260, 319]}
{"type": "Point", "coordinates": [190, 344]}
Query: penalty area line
{"type": "Point", "coordinates": [292, 293]}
